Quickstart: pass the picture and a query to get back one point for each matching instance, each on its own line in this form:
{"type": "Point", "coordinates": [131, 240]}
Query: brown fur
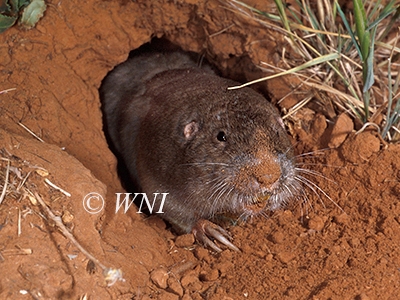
{"type": "Point", "coordinates": [167, 119]}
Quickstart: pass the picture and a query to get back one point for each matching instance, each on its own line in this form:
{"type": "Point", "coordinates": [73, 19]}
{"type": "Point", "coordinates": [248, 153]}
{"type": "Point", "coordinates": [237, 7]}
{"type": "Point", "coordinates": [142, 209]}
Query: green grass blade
{"type": "Point", "coordinates": [282, 14]}
{"type": "Point", "coordinates": [360, 19]}
{"type": "Point", "coordinates": [388, 10]}
{"type": "Point", "coordinates": [375, 8]}
{"type": "Point", "coordinates": [315, 23]}
{"type": "Point", "coordinates": [348, 28]}
{"type": "Point", "coordinates": [368, 67]}
{"type": "Point", "coordinates": [294, 15]}
{"type": "Point", "coordinates": [392, 21]}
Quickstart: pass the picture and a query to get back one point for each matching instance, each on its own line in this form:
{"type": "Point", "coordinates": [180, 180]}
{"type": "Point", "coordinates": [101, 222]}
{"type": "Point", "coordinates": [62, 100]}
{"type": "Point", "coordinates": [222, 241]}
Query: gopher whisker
{"type": "Point", "coordinates": [314, 173]}
{"type": "Point", "coordinates": [315, 152]}
{"type": "Point", "coordinates": [314, 187]}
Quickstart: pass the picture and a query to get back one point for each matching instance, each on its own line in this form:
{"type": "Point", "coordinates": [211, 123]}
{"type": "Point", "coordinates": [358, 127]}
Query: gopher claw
{"type": "Point", "coordinates": [204, 230]}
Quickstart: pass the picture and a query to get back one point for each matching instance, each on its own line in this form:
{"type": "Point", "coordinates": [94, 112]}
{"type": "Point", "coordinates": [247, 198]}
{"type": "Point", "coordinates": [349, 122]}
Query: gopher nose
{"type": "Point", "coordinates": [267, 173]}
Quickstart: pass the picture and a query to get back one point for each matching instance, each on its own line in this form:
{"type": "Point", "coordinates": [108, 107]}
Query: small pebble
{"type": "Point", "coordinates": [285, 256]}
{"type": "Point", "coordinates": [342, 219]}
{"type": "Point", "coordinates": [174, 286]}
{"type": "Point", "coordinates": [189, 279]}
{"type": "Point", "coordinates": [168, 296]}
{"type": "Point", "coordinates": [277, 237]}
{"type": "Point", "coordinates": [159, 278]}
{"type": "Point", "coordinates": [185, 240]}
{"type": "Point", "coordinates": [363, 296]}
{"type": "Point", "coordinates": [209, 276]}
{"type": "Point", "coordinates": [202, 254]}
{"type": "Point", "coordinates": [316, 223]}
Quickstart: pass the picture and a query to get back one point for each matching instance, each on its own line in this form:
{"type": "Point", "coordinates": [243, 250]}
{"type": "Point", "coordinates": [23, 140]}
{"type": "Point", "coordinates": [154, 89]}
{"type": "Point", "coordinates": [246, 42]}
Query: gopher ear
{"type": "Point", "coordinates": [190, 130]}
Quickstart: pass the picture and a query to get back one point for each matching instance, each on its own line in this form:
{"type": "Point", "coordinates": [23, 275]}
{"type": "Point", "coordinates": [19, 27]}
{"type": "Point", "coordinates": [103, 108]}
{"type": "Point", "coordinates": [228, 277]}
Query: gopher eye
{"type": "Point", "coordinates": [221, 136]}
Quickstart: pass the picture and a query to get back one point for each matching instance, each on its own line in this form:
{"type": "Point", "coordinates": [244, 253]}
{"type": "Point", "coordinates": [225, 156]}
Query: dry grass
{"type": "Point", "coordinates": [15, 187]}
{"type": "Point", "coordinates": [352, 56]}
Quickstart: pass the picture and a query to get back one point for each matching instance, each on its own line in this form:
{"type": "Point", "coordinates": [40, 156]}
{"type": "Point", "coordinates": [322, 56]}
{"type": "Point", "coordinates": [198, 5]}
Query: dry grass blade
{"type": "Point", "coordinates": [393, 117]}
{"type": "Point", "coordinates": [111, 275]}
{"type": "Point", "coordinates": [7, 90]}
{"type": "Point", "coordinates": [18, 251]}
{"type": "Point", "coordinates": [56, 187]}
{"type": "Point", "coordinates": [31, 132]}
{"type": "Point", "coordinates": [3, 193]}
{"type": "Point", "coordinates": [315, 61]}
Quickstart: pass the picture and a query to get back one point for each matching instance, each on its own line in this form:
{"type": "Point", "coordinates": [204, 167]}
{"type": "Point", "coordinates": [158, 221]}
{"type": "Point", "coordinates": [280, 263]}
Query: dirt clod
{"type": "Point", "coordinates": [159, 278]}
{"type": "Point", "coordinates": [343, 126]}
{"type": "Point", "coordinates": [185, 240]}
